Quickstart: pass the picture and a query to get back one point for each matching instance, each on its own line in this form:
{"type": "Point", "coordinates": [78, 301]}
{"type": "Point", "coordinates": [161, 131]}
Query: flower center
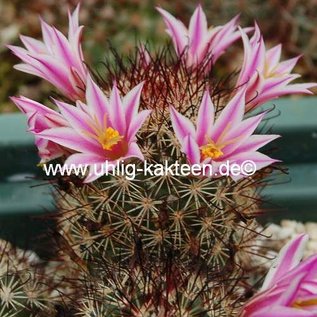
{"type": "Point", "coordinates": [211, 150]}
{"type": "Point", "coordinates": [270, 73]}
{"type": "Point", "coordinates": [108, 138]}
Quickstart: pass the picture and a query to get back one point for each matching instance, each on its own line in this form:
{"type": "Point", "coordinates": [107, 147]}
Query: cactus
{"type": "Point", "coordinates": [161, 245]}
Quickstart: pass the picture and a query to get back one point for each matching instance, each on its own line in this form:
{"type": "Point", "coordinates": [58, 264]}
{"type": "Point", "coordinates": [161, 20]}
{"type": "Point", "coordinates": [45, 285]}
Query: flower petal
{"type": "Point", "coordinates": [84, 159]}
{"type": "Point", "coordinates": [191, 149]}
{"type": "Point", "coordinates": [97, 102]}
{"type": "Point", "coordinates": [239, 133]}
{"type": "Point", "coordinates": [225, 36]}
{"type": "Point", "coordinates": [288, 258]}
{"type": "Point", "coordinates": [27, 105]}
{"type": "Point", "coordinates": [33, 45]}
{"type": "Point", "coordinates": [254, 56]}
{"type": "Point", "coordinates": [197, 29]}
{"type": "Point", "coordinates": [273, 56]}
{"type": "Point", "coordinates": [256, 141]}
{"type": "Point", "coordinates": [116, 111]}
{"type": "Point", "coordinates": [77, 118]}
{"type": "Point", "coordinates": [133, 151]}
{"type": "Point", "coordinates": [73, 20]}
{"type": "Point", "coordinates": [230, 116]}
{"type": "Point", "coordinates": [69, 138]}
{"type": "Point", "coordinates": [260, 161]}
{"type": "Point", "coordinates": [176, 29]}
{"type": "Point", "coordinates": [136, 124]}
{"type": "Point", "coordinates": [282, 312]}
{"type": "Point", "coordinates": [131, 102]}
{"type": "Point", "coordinates": [182, 126]}
{"type": "Point", "coordinates": [205, 118]}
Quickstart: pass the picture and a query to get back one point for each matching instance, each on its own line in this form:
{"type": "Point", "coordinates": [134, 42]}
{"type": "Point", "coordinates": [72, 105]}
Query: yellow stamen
{"type": "Point", "coordinates": [305, 303]}
{"type": "Point", "coordinates": [211, 150]}
{"type": "Point", "coordinates": [109, 138]}
{"type": "Point", "coordinates": [106, 136]}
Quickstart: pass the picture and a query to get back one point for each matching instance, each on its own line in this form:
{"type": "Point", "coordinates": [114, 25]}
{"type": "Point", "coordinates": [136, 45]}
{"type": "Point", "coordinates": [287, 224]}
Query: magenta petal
{"type": "Point", "coordinates": [288, 258]}
{"type": "Point", "coordinates": [230, 116]}
{"type": "Point", "coordinates": [182, 126]}
{"type": "Point", "coordinates": [88, 162]}
{"type": "Point", "coordinates": [95, 172]}
{"type": "Point", "coordinates": [83, 107]}
{"type": "Point", "coordinates": [47, 32]}
{"type": "Point", "coordinates": [176, 29]}
{"type": "Point", "coordinates": [298, 88]}
{"type": "Point", "coordinates": [116, 111]}
{"type": "Point", "coordinates": [69, 138]}
{"type": "Point", "coordinates": [197, 29]}
{"type": "Point", "coordinates": [256, 141]}
{"type": "Point", "coordinates": [55, 72]}
{"type": "Point", "coordinates": [205, 118]}
{"type": "Point", "coordinates": [283, 90]}
{"type": "Point", "coordinates": [282, 312]}
{"type": "Point", "coordinates": [223, 38]}
{"type": "Point", "coordinates": [75, 44]}
{"type": "Point", "coordinates": [136, 124]}
{"type": "Point", "coordinates": [246, 71]}
{"type": "Point", "coordinates": [260, 160]}
{"type": "Point", "coordinates": [131, 102]}
{"type": "Point", "coordinates": [191, 149]}
{"type": "Point", "coordinates": [256, 35]}
{"type": "Point", "coordinates": [63, 50]}
{"type": "Point", "coordinates": [309, 266]}
{"type": "Point", "coordinates": [27, 105]}
{"type": "Point", "coordinates": [33, 45]}
{"type": "Point", "coordinates": [73, 19]}
{"type": "Point", "coordinates": [273, 56]}
{"type": "Point", "coordinates": [287, 66]}
{"type": "Point", "coordinates": [84, 159]}
{"type": "Point", "coordinates": [39, 116]}
{"type": "Point", "coordinates": [28, 69]}
{"type": "Point", "coordinates": [97, 102]}
{"type": "Point", "coordinates": [48, 150]}
{"type": "Point", "coordinates": [254, 56]}
{"type": "Point", "coordinates": [143, 56]}
{"type": "Point", "coordinates": [134, 151]}
{"type": "Point", "coordinates": [21, 53]}
{"type": "Point", "coordinates": [239, 134]}
{"type": "Point", "coordinates": [78, 119]}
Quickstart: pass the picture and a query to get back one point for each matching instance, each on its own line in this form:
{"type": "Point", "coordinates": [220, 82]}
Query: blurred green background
{"type": "Point", "coordinates": [122, 22]}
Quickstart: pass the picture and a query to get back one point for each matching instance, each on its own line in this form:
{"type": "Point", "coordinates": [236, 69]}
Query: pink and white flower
{"type": "Point", "coordinates": [290, 287]}
{"type": "Point", "coordinates": [101, 130]}
{"type": "Point", "coordinates": [39, 119]}
{"type": "Point", "coordinates": [199, 42]}
{"type": "Point", "coordinates": [57, 59]}
{"type": "Point", "coordinates": [143, 56]}
{"type": "Point", "coordinates": [264, 75]}
{"type": "Point", "coordinates": [228, 138]}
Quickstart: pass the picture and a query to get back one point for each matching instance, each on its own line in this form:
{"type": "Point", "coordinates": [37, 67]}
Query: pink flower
{"type": "Point", "coordinates": [199, 42]}
{"type": "Point", "coordinates": [143, 56]}
{"type": "Point", "coordinates": [290, 287]}
{"type": "Point", "coordinates": [101, 130]}
{"type": "Point", "coordinates": [57, 59]}
{"type": "Point", "coordinates": [264, 75]}
{"type": "Point", "coordinates": [227, 139]}
{"type": "Point", "coordinates": [41, 118]}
